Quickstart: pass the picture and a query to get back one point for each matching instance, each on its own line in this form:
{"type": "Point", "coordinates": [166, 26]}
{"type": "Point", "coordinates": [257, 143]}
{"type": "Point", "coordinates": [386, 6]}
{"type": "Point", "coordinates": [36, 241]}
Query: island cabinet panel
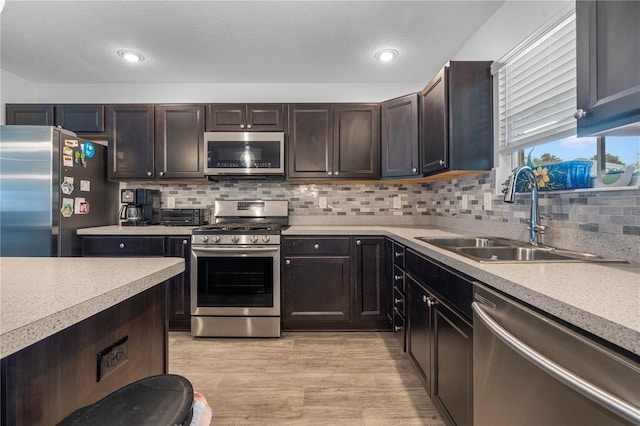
{"type": "Point", "coordinates": [399, 138]}
{"type": "Point", "coordinates": [333, 283]}
{"type": "Point", "coordinates": [45, 382]}
{"type": "Point", "coordinates": [456, 119]}
{"type": "Point", "coordinates": [29, 114]}
{"type": "Point", "coordinates": [607, 60]}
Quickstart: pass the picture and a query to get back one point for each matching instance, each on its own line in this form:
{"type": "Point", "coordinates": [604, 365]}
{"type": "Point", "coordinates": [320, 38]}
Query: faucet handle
{"type": "Point", "coordinates": [540, 229]}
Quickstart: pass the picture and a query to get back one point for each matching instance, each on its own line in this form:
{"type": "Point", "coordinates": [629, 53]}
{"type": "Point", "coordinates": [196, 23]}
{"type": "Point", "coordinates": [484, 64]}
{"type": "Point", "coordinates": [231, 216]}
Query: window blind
{"type": "Point", "coordinates": [536, 89]}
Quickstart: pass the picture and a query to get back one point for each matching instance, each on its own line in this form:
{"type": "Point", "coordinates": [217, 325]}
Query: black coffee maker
{"type": "Point", "coordinates": [138, 207]}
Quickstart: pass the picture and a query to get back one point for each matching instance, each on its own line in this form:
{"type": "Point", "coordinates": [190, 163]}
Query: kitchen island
{"type": "Point", "coordinates": [73, 330]}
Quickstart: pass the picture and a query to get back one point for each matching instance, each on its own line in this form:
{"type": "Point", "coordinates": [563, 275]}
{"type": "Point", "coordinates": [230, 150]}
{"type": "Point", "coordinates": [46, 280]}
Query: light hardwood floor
{"type": "Point", "coordinates": [356, 378]}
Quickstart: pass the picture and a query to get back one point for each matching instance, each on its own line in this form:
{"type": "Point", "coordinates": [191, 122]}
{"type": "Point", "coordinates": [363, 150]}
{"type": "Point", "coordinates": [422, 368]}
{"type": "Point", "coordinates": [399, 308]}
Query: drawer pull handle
{"type": "Point", "coordinates": [316, 246]}
{"type": "Point", "coordinates": [424, 298]}
{"type": "Point", "coordinates": [397, 328]}
{"type": "Point", "coordinates": [397, 277]}
{"type": "Point", "coordinates": [399, 254]}
{"type": "Point", "coordinates": [288, 262]}
{"type": "Point", "coordinates": [397, 301]}
{"type": "Point", "coordinates": [122, 245]}
{"type": "Point", "coordinates": [358, 242]}
{"type": "Point", "coordinates": [185, 242]}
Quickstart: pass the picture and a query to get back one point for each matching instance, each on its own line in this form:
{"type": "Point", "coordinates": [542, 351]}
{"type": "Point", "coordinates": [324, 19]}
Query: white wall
{"type": "Point", "coordinates": [14, 89]}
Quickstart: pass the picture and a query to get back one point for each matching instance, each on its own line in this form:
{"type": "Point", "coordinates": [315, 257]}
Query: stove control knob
{"type": "Point", "coordinates": [254, 238]}
{"type": "Point", "coordinates": [216, 239]}
{"type": "Point", "coordinates": [266, 238]}
{"type": "Point", "coordinates": [204, 238]}
{"type": "Point", "coordinates": [235, 239]}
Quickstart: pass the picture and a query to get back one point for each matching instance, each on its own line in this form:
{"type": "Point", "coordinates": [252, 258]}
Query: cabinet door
{"type": "Point", "coordinates": [399, 139]}
{"type": "Point", "coordinates": [310, 144]}
{"type": "Point", "coordinates": [179, 143]}
{"type": "Point", "coordinates": [131, 141]}
{"type": "Point", "coordinates": [265, 117]}
{"type": "Point", "coordinates": [356, 136]}
{"type": "Point", "coordinates": [419, 331]}
{"type": "Point", "coordinates": [316, 291]}
{"type": "Point", "coordinates": [608, 64]}
{"type": "Point", "coordinates": [452, 365]}
{"type": "Point", "coordinates": [434, 138]}
{"type": "Point", "coordinates": [80, 118]}
{"type": "Point", "coordinates": [370, 300]}
{"type": "Point", "coordinates": [29, 114]}
{"type": "Point", "coordinates": [226, 117]}
{"type": "Point", "coordinates": [178, 289]}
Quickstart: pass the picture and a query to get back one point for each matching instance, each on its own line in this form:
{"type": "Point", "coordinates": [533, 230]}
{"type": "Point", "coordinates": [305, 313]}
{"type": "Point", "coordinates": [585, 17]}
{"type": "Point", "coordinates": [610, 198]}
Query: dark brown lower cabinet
{"type": "Point", "coordinates": [333, 283]}
{"type": "Point", "coordinates": [440, 335]}
{"type": "Point", "coordinates": [178, 290]}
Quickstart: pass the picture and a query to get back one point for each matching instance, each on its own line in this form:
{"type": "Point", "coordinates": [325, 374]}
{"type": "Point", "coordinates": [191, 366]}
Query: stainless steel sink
{"type": "Point", "coordinates": [503, 250]}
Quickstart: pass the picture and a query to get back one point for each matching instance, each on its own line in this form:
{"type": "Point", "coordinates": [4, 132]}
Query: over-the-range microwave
{"type": "Point", "coordinates": [244, 154]}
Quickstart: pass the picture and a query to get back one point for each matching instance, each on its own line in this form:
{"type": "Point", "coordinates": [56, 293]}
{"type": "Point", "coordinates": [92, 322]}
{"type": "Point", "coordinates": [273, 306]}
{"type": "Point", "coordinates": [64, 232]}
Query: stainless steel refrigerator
{"type": "Point", "coordinates": [51, 183]}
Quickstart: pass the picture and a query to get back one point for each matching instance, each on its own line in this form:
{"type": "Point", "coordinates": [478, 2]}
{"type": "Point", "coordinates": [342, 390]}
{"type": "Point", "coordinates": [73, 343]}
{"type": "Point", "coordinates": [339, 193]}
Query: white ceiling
{"type": "Point", "coordinates": [73, 42]}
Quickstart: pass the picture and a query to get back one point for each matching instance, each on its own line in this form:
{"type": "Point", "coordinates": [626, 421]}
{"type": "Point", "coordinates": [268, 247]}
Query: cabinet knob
{"type": "Point", "coordinates": [161, 173]}
{"type": "Point", "coordinates": [329, 173]}
{"type": "Point", "coordinates": [399, 254]}
{"type": "Point", "coordinates": [149, 173]}
{"type": "Point", "coordinates": [441, 162]}
{"type": "Point", "coordinates": [121, 245]}
{"type": "Point", "coordinates": [358, 242]}
{"type": "Point", "coordinates": [396, 301]}
{"type": "Point", "coordinates": [336, 173]}
{"type": "Point", "coordinates": [249, 126]}
{"type": "Point", "coordinates": [397, 328]}
{"type": "Point", "coordinates": [431, 302]}
{"type": "Point", "coordinates": [397, 277]}
{"type": "Point", "coordinates": [414, 170]}
{"type": "Point", "coordinates": [242, 126]}
{"type": "Point", "coordinates": [424, 298]}
{"type": "Point", "coordinates": [316, 246]}
{"type": "Point", "coordinates": [185, 242]}
{"type": "Point", "coordinates": [288, 262]}
{"type": "Point", "coordinates": [580, 113]}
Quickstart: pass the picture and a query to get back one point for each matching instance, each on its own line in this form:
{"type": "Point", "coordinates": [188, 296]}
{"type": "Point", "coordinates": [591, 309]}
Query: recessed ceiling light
{"type": "Point", "coordinates": [385, 55]}
{"type": "Point", "coordinates": [130, 56]}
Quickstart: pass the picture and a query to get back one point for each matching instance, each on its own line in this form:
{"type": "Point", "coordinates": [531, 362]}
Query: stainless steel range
{"type": "Point", "coordinates": [235, 270]}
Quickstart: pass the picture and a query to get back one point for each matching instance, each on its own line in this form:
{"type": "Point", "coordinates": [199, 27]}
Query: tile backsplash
{"type": "Point", "coordinates": [602, 222]}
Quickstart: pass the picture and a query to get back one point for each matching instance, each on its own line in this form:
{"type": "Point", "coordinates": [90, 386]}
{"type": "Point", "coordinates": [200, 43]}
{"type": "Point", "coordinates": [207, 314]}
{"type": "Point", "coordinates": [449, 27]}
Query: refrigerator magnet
{"type": "Point", "coordinates": [88, 149]}
{"type": "Point", "coordinates": [76, 156]}
{"type": "Point", "coordinates": [85, 185]}
{"type": "Point", "coordinates": [67, 207]}
{"type": "Point", "coordinates": [67, 150]}
{"type": "Point", "coordinates": [67, 160]}
{"type": "Point", "coordinates": [81, 206]}
{"type": "Point", "coordinates": [71, 142]}
{"type": "Point", "coordinates": [67, 185]}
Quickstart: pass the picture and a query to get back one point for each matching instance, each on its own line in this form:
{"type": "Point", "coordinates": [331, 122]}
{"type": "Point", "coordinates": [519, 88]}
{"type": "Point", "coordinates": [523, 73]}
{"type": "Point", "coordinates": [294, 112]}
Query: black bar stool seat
{"type": "Point", "coordinates": [164, 399]}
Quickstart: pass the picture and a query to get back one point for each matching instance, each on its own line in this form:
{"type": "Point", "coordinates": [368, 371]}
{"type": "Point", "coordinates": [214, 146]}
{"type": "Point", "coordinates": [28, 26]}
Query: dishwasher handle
{"type": "Point", "coordinates": [565, 376]}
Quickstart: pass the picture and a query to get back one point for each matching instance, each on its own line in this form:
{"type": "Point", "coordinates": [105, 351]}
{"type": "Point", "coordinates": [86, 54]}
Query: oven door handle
{"type": "Point", "coordinates": [234, 249]}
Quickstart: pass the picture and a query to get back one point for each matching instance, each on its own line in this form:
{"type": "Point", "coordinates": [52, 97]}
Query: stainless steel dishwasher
{"type": "Point", "coordinates": [531, 370]}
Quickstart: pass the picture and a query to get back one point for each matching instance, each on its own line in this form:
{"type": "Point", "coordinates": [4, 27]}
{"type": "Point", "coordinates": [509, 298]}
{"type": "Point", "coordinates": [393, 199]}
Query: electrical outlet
{"type": "Point", "coordinates": [322, 202]}
{"type": "Point", "coordinates": [487, 201]}
{"type": "Point", "coordinates": [464, 202]}
{"type": "Point", "coordinates": [397, 203]}
{"type": "Point", "coordinates": [112, 358]}
{"type": "Point", "coordinates": [171, 202]}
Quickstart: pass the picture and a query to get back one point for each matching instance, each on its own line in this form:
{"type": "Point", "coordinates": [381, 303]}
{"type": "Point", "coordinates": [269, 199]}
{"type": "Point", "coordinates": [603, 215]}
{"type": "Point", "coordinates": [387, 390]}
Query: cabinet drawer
{"type": "Point", "coordinates": [117, 246]}
{"type": "Point", "coordinates": [316, 246]}
{"type": "Point", "coordinates": [398, 329]}
{"type": "Point", "coordinates": [398, 279]}
{"type": "Point", "coordinates": [398, 301]}
{"type": "Point", "coordinates": [398, 255]}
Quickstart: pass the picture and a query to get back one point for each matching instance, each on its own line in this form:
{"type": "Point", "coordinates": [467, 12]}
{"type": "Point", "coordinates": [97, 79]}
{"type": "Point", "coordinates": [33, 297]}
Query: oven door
{"type": "Point", "coordinates": [235, 281]}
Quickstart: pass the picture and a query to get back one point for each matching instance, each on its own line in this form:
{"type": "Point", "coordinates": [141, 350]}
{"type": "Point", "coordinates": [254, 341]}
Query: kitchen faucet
{"type": "Point", "coordinates": [536, 230]}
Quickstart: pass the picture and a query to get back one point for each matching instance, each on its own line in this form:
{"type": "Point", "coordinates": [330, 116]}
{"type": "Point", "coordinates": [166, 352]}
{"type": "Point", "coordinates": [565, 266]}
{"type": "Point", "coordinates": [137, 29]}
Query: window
{"type": "Point", "coordinates": [535, 89]}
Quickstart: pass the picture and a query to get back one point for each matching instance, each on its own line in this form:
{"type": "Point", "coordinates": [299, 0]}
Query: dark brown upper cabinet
{"type": "Point", "coordinates": [179, 141]}
{"type": "Point", "coordinates": [245, 117]}
{"type": "Point", "coordinates": [80, 118]}
{"type": "Point", "coordinates": [456, 119]}
{"type": "Point", "coordinates": [399, 138]}
{"type": "Point", "coordinates": [334, 141]}
{"type": "Point", "coordinates": [29, 114]}
{"type": "Point", "coordinates": [131, 141]}
{"type": "Point", "coordinates": [608, 67]}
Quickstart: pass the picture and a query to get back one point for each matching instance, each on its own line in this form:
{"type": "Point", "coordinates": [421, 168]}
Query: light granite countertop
{"type": "Point", "coordinates": [137, 230]}
{"type": "Point", "coordinates": [40, 296]}
{"type": "Point", "coordinates": [603, 299]}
